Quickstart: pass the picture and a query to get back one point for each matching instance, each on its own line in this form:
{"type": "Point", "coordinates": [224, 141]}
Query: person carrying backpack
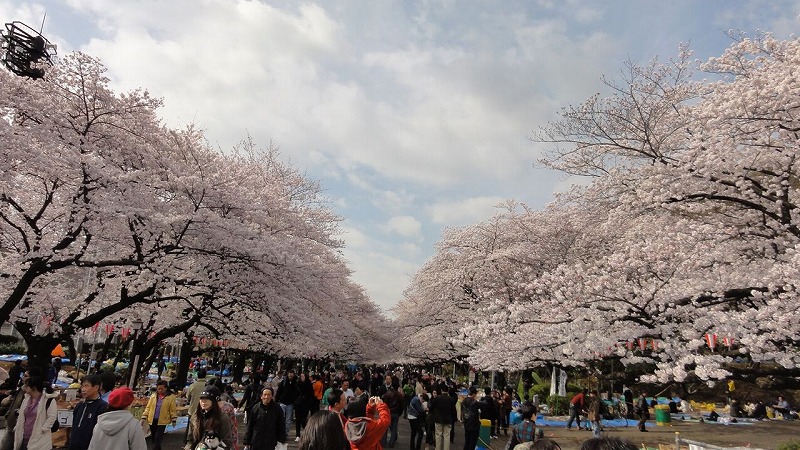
{"type": "Point", "coordinates": [470, 415]}
{"type": "Point", "coordinates": [365, 432]}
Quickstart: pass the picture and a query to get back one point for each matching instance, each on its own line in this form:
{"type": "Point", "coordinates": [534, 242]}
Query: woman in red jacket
{"type": "Point", "coordinates": [365, 433]}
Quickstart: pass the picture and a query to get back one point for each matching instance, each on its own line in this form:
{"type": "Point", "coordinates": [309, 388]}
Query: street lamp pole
{"type": "Point", "coordinates": [136, 325]}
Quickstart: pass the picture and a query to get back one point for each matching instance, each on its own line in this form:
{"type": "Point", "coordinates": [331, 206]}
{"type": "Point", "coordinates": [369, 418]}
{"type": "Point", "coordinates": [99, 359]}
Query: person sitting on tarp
{"type": "Point", "coordinates": [781, 406]}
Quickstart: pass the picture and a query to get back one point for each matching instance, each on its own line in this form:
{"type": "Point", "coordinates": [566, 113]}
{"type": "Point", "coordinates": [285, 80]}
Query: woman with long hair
{"type": "Point", "coordinates": [324, 432]}
{"type": "Point", "coordinates": [37, 414]}
{"type": "Point", "coordinates": [209, 419]}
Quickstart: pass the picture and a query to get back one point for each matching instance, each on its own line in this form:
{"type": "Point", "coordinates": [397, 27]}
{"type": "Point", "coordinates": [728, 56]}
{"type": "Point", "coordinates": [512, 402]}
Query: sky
{"type": "Point", "coordinates": [415, 115]}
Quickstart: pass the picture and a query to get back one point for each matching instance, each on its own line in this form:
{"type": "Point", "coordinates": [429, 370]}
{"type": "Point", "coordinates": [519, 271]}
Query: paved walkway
{"type": "Point", "coordinates": [175, 440]}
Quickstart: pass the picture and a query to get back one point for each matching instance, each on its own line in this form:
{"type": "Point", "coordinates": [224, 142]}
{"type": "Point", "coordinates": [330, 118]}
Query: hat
{"type": "Point", "coordinates": [210, 392]}
{"type": "Point", "coordinates": [120, 398]}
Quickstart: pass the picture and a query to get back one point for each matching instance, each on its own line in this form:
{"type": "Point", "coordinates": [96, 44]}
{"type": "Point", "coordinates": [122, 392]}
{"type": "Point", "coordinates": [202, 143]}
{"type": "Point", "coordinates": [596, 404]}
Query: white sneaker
{"type": "Point", "coordinates": [297, 439]}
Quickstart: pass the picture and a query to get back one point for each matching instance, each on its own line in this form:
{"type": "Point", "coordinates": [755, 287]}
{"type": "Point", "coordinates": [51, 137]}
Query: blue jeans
{"type": "Point", "coordinates": [287, 414]}
{"type": "Point", "coordinates": [391, 432]}
{"type": "Point", "coordinates": [574, 414]}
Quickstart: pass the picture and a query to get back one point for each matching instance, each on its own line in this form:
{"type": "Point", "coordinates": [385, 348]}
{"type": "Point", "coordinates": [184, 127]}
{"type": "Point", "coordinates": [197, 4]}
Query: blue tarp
{"type": "Point", "coordinates": [541, 421]}
{"type": "Point", "coordinates": [12, 358]}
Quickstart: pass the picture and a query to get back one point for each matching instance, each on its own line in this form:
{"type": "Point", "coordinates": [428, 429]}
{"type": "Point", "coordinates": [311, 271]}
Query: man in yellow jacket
{"type": "Point", "coordinates": [160, 411]}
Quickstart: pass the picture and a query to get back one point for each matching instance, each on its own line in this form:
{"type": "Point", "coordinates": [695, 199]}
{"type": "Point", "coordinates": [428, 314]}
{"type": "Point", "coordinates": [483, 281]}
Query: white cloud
{"type": "Point", "coordinates": [463, 212]}
{"type": "Point", "coordinates": [405, 226]}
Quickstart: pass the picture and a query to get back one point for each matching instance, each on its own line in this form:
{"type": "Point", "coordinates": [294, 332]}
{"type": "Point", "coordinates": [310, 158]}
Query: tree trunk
{"type": "Point", "coordinates": [237, 370]}
{"type": "Point", "coordinates": [183, 362]}
{"type": "Point", "coordinates": [39, 347]}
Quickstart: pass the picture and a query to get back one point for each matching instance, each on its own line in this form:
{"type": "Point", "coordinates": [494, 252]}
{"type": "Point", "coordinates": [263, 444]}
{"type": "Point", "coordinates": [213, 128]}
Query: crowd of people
{"type": "Point", "coordinates": [359, 410]}
{"type": "Point", "coordinates": [101, 419]}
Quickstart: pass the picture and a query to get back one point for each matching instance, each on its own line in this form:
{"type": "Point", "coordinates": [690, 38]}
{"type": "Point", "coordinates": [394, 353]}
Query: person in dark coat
{"type": "Point", "coordinates": [396, 402]}
{"type": "Point", "coordinates": [470, 415]}
{"type": "Point", "coordinates": [84, 416]}
{"type": "Point", "coordinates": [302, 404]}
{"type": "Point", "coordinates": [267, 425]}
{"type": "Point", "coordinates": [15, 373]}
{"type": "Point", "coordinates": [488, 409]}
{"type": "Point", "coordinates": [288, 391]}
{"type": "Point", "coordinates": [628, 394]}
{"type": "Point", "coordinates": [443, 411]}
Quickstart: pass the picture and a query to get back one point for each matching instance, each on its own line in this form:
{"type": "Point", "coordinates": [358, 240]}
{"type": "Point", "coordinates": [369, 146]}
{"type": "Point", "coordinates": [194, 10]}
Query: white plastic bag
{"type": "Point", "coordinates": [280, 446]}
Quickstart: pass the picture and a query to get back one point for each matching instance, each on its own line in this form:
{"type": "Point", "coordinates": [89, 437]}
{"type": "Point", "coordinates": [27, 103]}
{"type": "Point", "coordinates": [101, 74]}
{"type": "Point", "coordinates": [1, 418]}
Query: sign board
{"type": "Point", "coordinates": [65, 418]}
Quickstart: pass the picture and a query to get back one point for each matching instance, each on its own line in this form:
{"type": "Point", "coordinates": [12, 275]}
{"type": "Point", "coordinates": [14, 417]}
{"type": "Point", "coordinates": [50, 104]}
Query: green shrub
{"type": "Point", "coordinates": [558, 405]}
{"type": "Point", "coordinates": [12, 349]}
{"type": "Point", "coordinates": [789, 445]}
{"type": "Point", "coordinates": [542, 390]}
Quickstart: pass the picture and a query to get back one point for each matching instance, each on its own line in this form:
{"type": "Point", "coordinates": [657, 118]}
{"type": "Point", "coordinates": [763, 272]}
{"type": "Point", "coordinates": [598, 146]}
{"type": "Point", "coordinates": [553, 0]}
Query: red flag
{"type": "Point", "coordinates": [629, 345]}
{"type": "Point", "coordinates": [642, 343]}
{"type": "Point", "coordinates": [95, 327]}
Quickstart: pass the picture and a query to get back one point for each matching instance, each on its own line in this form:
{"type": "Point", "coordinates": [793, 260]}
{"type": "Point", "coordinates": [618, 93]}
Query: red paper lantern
{"type": "Point", "coordinates": [711, 340]}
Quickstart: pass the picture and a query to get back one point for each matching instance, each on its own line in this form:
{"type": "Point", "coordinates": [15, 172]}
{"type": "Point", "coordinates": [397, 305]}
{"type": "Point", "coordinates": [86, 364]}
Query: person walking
{"type": "Point", "coordinates": [319, 389]}
{"type": "Point", "coordinates": [643, 410]}
{"type": "Point", "coordinates": [594, 413]}
{"type": "Point", "coordinates": [37, 413]}
{"type": "Point", "coordinates": [160, 411]}
{"type": "Point", "coordinates": [303, 404]}
{"type": "Point", "coordinates": [395, 400]}
{"type": "Point", "coordinates": [267, 425]}
{"type": "Point", "coordinates": [416, 421]}
{"type": "Point", "coordinates": [443, 410]}
{"type": "Point", "coordinates": [288, 391]}
{"type": "Point", "coordinates": [117, 429]}
{"type": "Point", "coordinates": [251, 393]}
{"type": "Point", "coordinates": [576, 407]}
{"type": "Point", "coordinates": [470, 415]}
{"type": "Point", "coordinates": [194, 390]}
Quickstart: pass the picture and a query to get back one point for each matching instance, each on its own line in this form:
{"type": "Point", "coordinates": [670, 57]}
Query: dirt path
{"type": "Point", "coordinates": [764, 435]}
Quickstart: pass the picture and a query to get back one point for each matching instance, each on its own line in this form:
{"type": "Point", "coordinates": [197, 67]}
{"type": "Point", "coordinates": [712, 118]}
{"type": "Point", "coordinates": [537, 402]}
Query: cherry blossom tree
{"type": "Point", "coordinates": [688, 229]}
{"type": "Point", "coordinates": [109, 215]}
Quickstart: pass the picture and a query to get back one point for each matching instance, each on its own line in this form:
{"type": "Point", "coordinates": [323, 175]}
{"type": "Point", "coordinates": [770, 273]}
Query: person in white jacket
{"type": "Point", "coordinates": [117, 429]}
{"type": "Point", "coordinates": [37, 413]}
